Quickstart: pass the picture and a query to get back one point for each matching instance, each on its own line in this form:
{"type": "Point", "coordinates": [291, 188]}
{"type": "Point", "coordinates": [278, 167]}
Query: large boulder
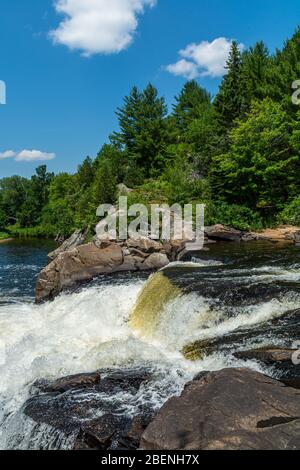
{"type": "Point", "coordinates": [144, 244]}
{"type": "Point", "coordinates": [79, 264]}
{"type": "Point", "coordinates": [233, 409]}
{"type": "Point", "coordinates": [155, 261]}
{"type": "Point", "coordinates": [222, 233]}
{"type": "Point", "coordinates": [85, 262]}
{"type": "Point", "coordinates": [82, 406]}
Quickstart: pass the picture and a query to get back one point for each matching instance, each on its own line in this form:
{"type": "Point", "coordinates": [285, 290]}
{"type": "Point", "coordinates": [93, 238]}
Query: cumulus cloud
{"type": "Point", "coordinates": [98, 26]}
{"type": "Point", "coordinates": [7, 154]}
{"type": "Point", "coordinates": [184, 68]}
{"type": "Point", "coordinates": [206, 59]}
{"type": "Point", "coordinates": [27, 155]}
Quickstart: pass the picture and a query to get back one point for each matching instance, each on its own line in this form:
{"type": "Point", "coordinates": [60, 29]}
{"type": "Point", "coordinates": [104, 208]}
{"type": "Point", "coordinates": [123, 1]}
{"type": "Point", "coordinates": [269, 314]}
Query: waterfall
{"type": "Point", "coordinates": [155, 295]}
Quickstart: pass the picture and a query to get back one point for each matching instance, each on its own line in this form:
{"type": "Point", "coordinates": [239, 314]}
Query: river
{"type": "Point", "coordinates": [234, 292]}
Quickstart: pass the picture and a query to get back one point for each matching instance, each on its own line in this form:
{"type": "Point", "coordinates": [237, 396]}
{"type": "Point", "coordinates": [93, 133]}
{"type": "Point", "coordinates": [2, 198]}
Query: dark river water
{"type": "Point", "coordinates": [20, 263]}
{"type": "Point", "coordinates": [231, 298]}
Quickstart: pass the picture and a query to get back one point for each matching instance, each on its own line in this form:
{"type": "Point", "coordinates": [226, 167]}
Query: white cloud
{"type": "Point", "coordinates": [183, 68]}
{"type": "Point", "coordinates": [27, 155]}
{"type": "Point", "coordinates": [7, 154]}
{"type": "Point", "coordinates": [206, 59]}
{"type": "Point", "coordinates": [98, 26]}
{"type": "Point", "coordinates": [34, 156]}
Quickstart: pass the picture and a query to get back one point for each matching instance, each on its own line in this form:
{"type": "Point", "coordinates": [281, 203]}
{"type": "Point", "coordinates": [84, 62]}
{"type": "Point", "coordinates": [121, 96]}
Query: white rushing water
{"type": "Point", "coordinates": [89, 330]}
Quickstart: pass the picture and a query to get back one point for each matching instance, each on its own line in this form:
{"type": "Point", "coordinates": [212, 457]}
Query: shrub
{"type": "Point", "coordinates": [291, 213]}
{"type": "Point", "coordinates": [233, 215]}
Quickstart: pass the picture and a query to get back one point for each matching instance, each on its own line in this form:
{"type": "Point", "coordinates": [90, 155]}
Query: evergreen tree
{"type": "Point", "coordinates": [255, 64]}
{"type": "Point", "coordinates": [284, 70]}
{"type": "Point", "coordinates": [85, 173]}
{"type": "Point", "coordinates": [192, 102]}
{"type": "Point", "coordinates": [228, 102]}
{"type": "Point", "coordinates": [143, 128]}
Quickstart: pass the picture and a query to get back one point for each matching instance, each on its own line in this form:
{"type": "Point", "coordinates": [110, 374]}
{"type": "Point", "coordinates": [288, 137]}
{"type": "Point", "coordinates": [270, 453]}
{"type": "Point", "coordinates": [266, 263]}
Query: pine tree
{"type": "Point", "coordinates": [228, 102]}
{"type": "Point", "coordinates": [255, 63]}
{"type": "Point", "coordinates": [143, 127]}
{"type": "Point", "coordinates": [190, 104]}
{"type": "Point", "coordinates": [85, 173]}
{"type": "Point", "coordinates": [284, 70]}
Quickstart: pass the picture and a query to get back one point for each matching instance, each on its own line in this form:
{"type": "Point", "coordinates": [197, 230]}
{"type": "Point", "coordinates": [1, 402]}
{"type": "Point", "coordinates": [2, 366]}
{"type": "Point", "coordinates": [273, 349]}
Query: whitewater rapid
{"type": "Point", "coordinates": [90, 329]}
{"type": "Point", "coordinates": [83, 332]}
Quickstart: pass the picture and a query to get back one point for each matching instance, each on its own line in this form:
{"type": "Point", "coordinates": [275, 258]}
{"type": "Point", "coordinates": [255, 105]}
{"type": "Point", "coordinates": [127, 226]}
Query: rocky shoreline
{"type": "Point", "coordinates": [76, 261]}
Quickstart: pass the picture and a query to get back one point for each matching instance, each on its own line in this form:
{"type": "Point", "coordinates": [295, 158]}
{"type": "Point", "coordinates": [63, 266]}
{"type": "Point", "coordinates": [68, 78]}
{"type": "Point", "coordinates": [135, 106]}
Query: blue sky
{"type": "Point", "coordinates": [63, 87]}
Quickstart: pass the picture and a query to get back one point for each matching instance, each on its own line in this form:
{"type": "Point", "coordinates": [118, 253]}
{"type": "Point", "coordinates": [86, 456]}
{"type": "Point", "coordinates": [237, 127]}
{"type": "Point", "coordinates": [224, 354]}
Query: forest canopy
{"type": "Point", "coordinates": [237, 152]}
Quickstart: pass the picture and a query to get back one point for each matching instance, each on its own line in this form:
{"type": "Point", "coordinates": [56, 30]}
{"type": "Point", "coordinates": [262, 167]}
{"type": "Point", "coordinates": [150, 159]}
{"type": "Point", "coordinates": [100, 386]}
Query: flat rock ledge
{"type": "Point", "coordinates": [233, 409]}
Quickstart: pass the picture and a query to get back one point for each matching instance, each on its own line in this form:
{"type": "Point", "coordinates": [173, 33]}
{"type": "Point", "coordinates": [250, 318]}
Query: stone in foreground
{"type": "Point", "coordinates": [233, 409]}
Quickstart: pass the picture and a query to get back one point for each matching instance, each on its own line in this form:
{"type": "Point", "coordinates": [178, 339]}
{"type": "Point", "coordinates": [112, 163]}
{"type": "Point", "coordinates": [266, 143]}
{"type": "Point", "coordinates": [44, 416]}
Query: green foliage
{"type": "Point", "coordinates": [143, 128]}
{"type": "Point", "coordinates": [228, 103]}
{"type": "Point", "coordinates": [3, 219]}
{"type": "Point", "coordinates": [262, 168]}
{"type": "Point", "coordinates": [238, 153]}
{"type": "Point", "coordinates": [233, 215]}
{"type": "Point", "coordinates": [191, 104]}
{"type": "Point", "coordinates": [291, 213]}
{"type": "Point", "coordinates": [4, 235]}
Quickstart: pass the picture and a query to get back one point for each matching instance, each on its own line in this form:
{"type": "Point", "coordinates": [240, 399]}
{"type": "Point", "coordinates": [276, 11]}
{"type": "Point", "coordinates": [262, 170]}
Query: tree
{"type": "Point", "coordinates": [228, 102]}
{"type": "Point", "coordinates": [191, 104]}
{"type": "Point", "coordinates": [262, 168]}
{"type": "Point", "coordinates": [29, 213]}
{"type": "Point", "coordinates": [3, 219]}
{"type": "Point", "coordinates": [14, 191]}
{"type": "Point", "coordinates": [105, 184]}
{"type": "Point", "coordinates": [143, 128]}
{"type": "Point", "coordinates": [255, 64]}
{"type": "Point", "coordinates": [85, 173]}
{"type": "Point", "coordinates": [284, 70]}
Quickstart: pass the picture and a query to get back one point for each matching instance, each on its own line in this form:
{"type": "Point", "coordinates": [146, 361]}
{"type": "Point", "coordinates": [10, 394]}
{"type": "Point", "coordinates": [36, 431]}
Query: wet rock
{"type": "Point", "coordinates": [283, 361]}
{"type": "Point", "coordinates": [128, 380]}
{"type": "Point", "coordinates": [73, 382]}
{"type": "Point", "coordinates": [282, 330]}
{"type": "Point", "coordinates": [81, 405]}
{"type": "Point", "coordinates": [233, 409]}
{"type": "Point", "coordinates": [267, 355]}
{"type": "Point", "coordinates": [220, 232]}
{"type": "Point", "coordinates": [132, 439]}
{"type": "Point", "coordinates": [103, 433]}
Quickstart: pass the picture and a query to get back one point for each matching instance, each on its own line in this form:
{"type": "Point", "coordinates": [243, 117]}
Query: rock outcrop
{"type": "Point", "coordinates": [222, 233]}
{"type": "Point", "coordinates": [85, 262]}
{"type": "Point", "coordinates": [77, 238]}
{"type": "Point", "coordinates": [233, 409]}
{"type": "Point", "coordinates": [80, 406]}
